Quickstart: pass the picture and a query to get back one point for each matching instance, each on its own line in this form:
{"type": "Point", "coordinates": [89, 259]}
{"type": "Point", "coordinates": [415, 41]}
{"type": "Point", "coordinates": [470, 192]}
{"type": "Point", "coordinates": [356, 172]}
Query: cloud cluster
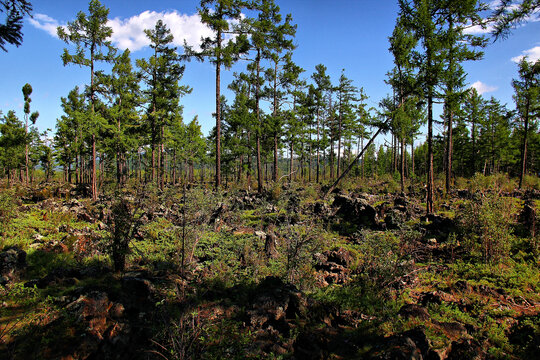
{"type": "Point", "coordinates": [129, 33]}
{"type": "Point", "coordinates": [532, 55]}
{"type": "Point", "coordinates": [45, 23]}
{"type": "Point", "coordinates": [483, 88]}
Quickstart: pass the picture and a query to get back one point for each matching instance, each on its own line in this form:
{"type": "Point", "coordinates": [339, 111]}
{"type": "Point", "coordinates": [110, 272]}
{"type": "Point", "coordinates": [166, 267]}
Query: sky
{"type": "Point", "coordinates": [341, 34]}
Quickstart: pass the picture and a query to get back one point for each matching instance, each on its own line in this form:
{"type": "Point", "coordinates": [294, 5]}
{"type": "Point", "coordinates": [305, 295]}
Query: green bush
{"type": "Point", "coordinates": [7, 208]}
{"type": "Point", "coordinates": [486, 227]}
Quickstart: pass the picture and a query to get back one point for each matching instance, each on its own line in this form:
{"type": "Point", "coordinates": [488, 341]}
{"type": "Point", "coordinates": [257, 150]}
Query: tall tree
{"type": "Point", "coordinates": [527, 98]}
{"type": "Point", "coordinates": [280, 76]}
{"type": "Point", "coordinates": [346, 96]}
{"type": "Point", "coordinates": [161, 73]}
{"type": "Point", "coordinates": [428, 21]}
{"type": "Point", "coordinates": [263, 30]}
{"type": "Point", "coordinates": [12, 136]}
{"type": "Point", "coordinates": [27, 91]}
{"type": "Point", "coordinates": [457, 48]}
{"type": "Point", "coordinates": [322, 85]}
{"type": "Point", "coordinates": [219, 16]}
{"type": "Point", "coordinates": [89, 34]}
{"type": "Point", "coordinates": [125, 97]}
{"type": "Point", "coordinates": [69, 132]}
{"type": "Point", "coordinates": [510, 13]}
{"type": "Point", "coordinates": [11, 29]}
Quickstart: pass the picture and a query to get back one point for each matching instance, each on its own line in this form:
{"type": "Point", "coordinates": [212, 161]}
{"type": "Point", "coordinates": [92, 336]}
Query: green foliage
{"type": "Point", "coordinates": [486, 227]}
{"type": "Point", "coordinates": [7, 208]}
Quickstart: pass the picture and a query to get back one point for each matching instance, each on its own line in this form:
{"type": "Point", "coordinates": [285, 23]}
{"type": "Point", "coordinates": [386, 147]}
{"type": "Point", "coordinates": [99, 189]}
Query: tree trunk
{"type": "Point", "coordinates": [218, 112]}
{"type": "Point", "coordinates": [258, 136]}
{"type": "Point", "coordinates": [429, 187]}
{"type": "Point", "coordinates": [449, 149]}
{"type": "Point", "coordinates": [524, 145]}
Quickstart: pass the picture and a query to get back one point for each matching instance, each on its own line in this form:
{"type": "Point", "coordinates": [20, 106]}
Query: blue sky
{"type": "Point", "coordinates": [341, 34]}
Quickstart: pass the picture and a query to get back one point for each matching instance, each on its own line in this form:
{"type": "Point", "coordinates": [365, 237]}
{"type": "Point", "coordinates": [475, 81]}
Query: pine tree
{"type": "Point", "coordinates": [89, 34]}
{"type": "Point", "coordinates": [27, 91]}
{"type": "Point", "coordinates": [69, 133]}
{"type": "Point", "coordinates": [11, 29]}
{"type": "Point", "coordinates": [428, 20]}
{"type": "Point", "coordinates": [264, 30]}
{"type": "Point", "coordinates": [346, 96]}
{"type": "Point", "coordinates": [220, 52]}
{"type": "Point", "coordinates": [12, 140]}
{"type": "Point", "coordinates": [322, 85]}
{"type": "Point", "coordinates": [527, 98]}
{"type": "Point", "coordinates": [161, 73]}
{"type": "Point", "coordinates": [125, 97]}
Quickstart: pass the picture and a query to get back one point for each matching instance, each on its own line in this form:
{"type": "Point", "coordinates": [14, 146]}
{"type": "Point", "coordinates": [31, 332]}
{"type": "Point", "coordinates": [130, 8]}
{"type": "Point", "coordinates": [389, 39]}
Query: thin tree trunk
{"type": "Point", "coordinates": [218, 112]}
{"type": "Point", "coordinates": [449, 149]}
{"type": "Point", "coordinates": [524, 146]}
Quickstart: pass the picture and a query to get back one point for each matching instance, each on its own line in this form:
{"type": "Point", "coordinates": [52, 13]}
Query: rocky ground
{"type": "Point", "coordinates": [284, 274]}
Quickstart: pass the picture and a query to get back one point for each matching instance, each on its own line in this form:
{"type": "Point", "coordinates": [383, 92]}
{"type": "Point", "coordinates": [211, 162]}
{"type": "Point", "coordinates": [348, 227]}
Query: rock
{"type": "Point", "coordinates": [274, 305]}
{"type": "Point", "coordinates": [60, 275]}
{"type": "Point", "coordinates": [452, 330]}
{"type": "Point", "coordinates": [218, 213]}
{"type": "Point", "coordinates": [137, 287]}
{"type": "Point", "coordinates": [414, 311]}
{"type": "Point", "coordinates": [260, 234]}
{"type": "Point", "coordinates": [270, 246]}
{"type": "Point", "coordinates": [401, 201]}
{"type": "Point", "coordinates": [307, 346]}
{"type": "Point", "coordinates": [333, 266]}
{"type": "Point", "coordinates": [37, 237]}
{"type": "Point", "coordinates": [527, 218]}
{"type": "Point", "coordinates": [410, 345]}
{"type": "Point", "coordinates": [12, 262]}
{"type": "Point", "coordinates": [395, 219]}
{"type": "Point", "coordinates": [465, 349]}
{"type": "Point", "coordinates": [356, 210]}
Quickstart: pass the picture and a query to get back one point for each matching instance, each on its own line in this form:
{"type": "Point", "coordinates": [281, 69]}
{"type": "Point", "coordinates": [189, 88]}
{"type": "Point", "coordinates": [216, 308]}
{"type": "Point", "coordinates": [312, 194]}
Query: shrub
{"type": "Point", "coordinates": [486, 227]}
{"type": "Point", "coordinates": [7, 208]}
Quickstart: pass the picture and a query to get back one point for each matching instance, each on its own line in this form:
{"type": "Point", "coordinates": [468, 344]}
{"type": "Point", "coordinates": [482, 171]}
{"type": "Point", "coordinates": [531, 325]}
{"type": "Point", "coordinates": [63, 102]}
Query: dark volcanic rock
{"type": "Point", "coordinates": [12, 262]}
{"type": "Point", "coordinates": [356, 210]}
{"type": "Point", "coordinates": [414, 311]}
{"type": "Point", "coordinates": [410, 345]}
{"type": "Point", "coordinates": [333, 265]}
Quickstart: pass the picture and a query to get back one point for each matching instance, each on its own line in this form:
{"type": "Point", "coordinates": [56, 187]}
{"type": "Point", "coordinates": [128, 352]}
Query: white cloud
{"type": "Point", "coordinates": [483, 88]}
{"type": "Point", "coordinates": [129, 32]}
{"type": "Point", "coordinates": [46, 23]}
{"type": "Point", "coordinates": [532, 55]}
{"type": "Point", "coordinates": [477, 29]}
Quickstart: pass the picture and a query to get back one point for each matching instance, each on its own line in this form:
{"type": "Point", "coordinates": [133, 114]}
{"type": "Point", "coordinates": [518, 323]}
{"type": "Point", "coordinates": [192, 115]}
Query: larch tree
{"type": "Point", "coordinates": [125, 96]}
{"type": "Point", "coordinates": [90, 34]}
{"type": "Point", "coordinates": [458, 47]}
{"type": "Point", "coordinates": [281, 40]}
{"type": "Point", "coordinates": [12, 138]}
{"type": "Point", "coordinates": [262, 30]}
{"type": "Point", "coordinates": [527, 98]}
{"type": "Point", "coordinates": [346, 96]}
{"type": "Point", "coordinates": [428, 22]}
{"type": "Point", "coordinates": [221, 16]}
{"type": "Point", "coordinates": [11, 28]}
{"type": "Point", "coordinates": [161, 73]}
{"type": "Point", "coordinates": [27, 91]}
{"type": "Point", "coordinates": [69, 130]}
{"type": "Point", "coordinates": [322, 85]}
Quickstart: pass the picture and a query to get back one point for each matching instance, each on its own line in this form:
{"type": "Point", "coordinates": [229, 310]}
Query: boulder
{"type": "Point", "coordinates": [355, 210]}
{"type": "Point", "coordinates": [12, 262]}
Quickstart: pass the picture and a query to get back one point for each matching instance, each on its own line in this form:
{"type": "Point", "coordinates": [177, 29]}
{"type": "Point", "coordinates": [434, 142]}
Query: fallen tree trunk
{"type": "Point", "coordinates": [348, 169]}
